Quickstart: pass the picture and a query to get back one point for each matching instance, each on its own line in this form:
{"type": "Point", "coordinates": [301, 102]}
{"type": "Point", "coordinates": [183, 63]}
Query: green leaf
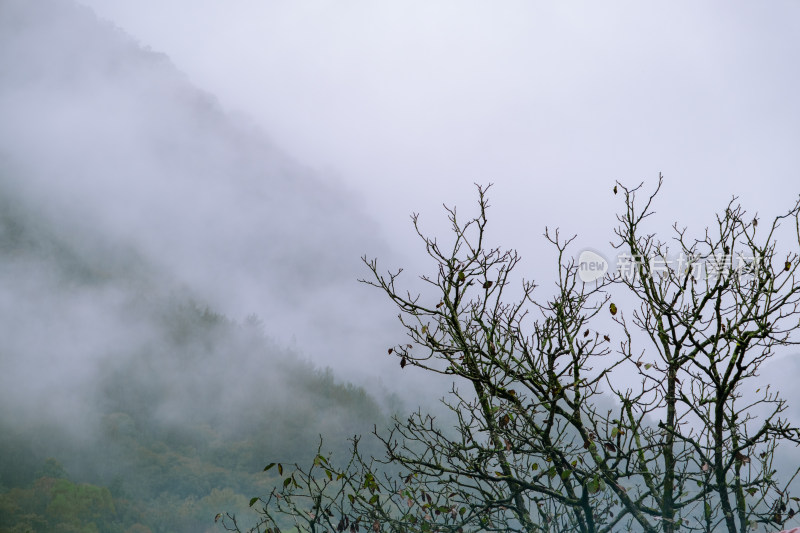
{"type": "Point", "coordinates": [351, 498]}
{"type": "Point", "coordinates": [461, 276]}
{"type": "Point", "coordinates": [268, 466]}
{"type": "Point", "coordinates": [374, 499]}
{"type": "Point", "coordinates": [614, 432]}
{"type": "Point", "coordinates": [286, 482]}
{"type": "Point", "coordinates": [280, 469]}
{"type": "Point", "coordinates": [253, 501]}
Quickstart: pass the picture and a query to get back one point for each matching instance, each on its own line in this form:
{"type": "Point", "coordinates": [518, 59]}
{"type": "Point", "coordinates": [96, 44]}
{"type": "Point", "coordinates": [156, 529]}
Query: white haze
{"type": "Point", "coordinates": [109, 143]}
{"type": "Point", "coordinates": [412, 102]}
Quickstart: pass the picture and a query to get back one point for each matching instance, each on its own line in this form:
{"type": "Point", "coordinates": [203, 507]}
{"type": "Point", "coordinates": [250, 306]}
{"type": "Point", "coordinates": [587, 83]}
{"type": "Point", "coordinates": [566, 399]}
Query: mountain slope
{"type": "Point", "coordinates": [104, 137]}
{"type": "Point", "coordinates": [163, 400]}
{"type": "Point", "coordinates": [156, 256]}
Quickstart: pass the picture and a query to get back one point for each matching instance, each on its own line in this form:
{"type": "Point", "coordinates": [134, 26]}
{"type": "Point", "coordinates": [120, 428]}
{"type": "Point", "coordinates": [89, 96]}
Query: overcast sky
{"type": "Point", "coordinates": [411, 102]}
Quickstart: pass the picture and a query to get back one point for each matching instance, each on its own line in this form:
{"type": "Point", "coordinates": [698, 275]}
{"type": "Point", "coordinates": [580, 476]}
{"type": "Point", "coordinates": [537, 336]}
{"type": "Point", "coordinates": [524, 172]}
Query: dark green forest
{"type": "Point", "coordinates": [140, 475]}
{"type": "Point", "coordinates": [167, 432]}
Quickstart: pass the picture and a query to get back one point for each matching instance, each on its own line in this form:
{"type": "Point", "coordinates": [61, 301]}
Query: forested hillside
{"type": "Point", "coordinates": [169, 430]}
{"type": "Point", "coordinates": [157, 259]}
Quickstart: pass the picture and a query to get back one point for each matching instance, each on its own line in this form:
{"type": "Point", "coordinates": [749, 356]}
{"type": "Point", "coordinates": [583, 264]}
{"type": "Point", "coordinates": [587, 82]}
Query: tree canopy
{"type": "Point", "coordinates": [621, 404]}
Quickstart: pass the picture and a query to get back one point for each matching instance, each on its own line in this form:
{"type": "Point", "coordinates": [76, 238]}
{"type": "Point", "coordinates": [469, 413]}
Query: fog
{"type": "Point", "coordinates": [412, 102]}
{"type": "Point", "coordinates": [238, 159]}
{"type": "Point", "coordinates": [113, 143]}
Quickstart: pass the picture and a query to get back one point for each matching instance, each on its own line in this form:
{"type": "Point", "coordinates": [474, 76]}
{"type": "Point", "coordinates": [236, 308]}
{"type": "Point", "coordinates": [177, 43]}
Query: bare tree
{"type": "Point", "coordinates": [542, 437]}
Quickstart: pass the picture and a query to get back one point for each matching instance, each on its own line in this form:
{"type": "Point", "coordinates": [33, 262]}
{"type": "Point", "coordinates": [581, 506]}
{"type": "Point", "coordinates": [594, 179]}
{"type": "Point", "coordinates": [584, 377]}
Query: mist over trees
{"type": "Point", "coordinates": [107, 142]}
{"type": "Point", "coordinates": [157, 255]}
{"type": "Point", "coordinates": [122, 405]}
